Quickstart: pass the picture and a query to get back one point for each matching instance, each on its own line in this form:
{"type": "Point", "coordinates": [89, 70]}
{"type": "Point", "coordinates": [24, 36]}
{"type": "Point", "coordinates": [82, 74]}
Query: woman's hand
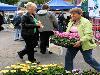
{"type": "Point", "coordinates": [39, 24]}
{"type": "Point", "coordinates": [77, 44]}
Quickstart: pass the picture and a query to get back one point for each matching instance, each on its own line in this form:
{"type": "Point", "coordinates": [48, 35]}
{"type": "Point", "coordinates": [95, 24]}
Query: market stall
{"type": "Point", "coordinates": [60, 4]}
{"type": "Point", "coordinates": [7, 7]}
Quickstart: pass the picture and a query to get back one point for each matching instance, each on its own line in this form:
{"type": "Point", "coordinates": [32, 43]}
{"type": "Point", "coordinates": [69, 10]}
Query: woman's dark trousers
{"type": "Point", "coordinates": [31, 43]}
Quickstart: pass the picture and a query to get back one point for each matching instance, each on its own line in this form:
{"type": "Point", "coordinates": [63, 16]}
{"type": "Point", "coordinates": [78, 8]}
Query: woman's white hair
{"type": "Point", "coordinates": [29, 4]}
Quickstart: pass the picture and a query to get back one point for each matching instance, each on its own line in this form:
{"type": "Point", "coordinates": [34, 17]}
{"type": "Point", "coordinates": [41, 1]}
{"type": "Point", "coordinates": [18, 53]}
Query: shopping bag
{"type": "Point", "coordinates": [55, 49]}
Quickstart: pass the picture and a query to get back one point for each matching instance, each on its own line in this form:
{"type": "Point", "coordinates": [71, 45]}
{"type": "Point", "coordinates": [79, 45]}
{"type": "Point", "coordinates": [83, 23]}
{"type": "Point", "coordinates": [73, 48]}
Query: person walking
{"type": "Point", "coordinates": [30, 32]}
{"type": "Point", "coordinates": [49, 22]}
{"type": "Point", "coordinates": [17, 25]}
{"type": "Point", "coordinates": [86, 43]}
{"type": "Point", "coordinates": [61, 22]}
{"type": "Point", "coordinates": [1, 21]}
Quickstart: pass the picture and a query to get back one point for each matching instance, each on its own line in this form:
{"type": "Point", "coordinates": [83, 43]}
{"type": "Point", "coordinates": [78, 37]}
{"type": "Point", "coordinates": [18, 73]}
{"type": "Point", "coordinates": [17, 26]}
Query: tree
{"type": "Point", "coordinates": [39, 1]}
{"type": "Point", "coordinates": [84, 7]}
{"type": "Point", "coordinates": [9, 1]}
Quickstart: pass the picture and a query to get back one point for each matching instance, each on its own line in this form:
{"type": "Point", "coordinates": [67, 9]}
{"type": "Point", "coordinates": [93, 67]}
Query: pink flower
{"type": "Point", "coordinates": [56, 33]}
{"type": "Point", "coordinates": [65, 34]}
{"type": "Point", "coordinates": [97, 35]}
{"type": "Point", "coordinates": [73, 35]}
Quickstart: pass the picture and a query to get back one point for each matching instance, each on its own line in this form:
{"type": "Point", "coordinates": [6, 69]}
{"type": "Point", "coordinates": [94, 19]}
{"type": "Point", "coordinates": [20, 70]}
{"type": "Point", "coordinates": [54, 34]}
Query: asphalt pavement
{"type": "Point", "coordinates": [9, 49]}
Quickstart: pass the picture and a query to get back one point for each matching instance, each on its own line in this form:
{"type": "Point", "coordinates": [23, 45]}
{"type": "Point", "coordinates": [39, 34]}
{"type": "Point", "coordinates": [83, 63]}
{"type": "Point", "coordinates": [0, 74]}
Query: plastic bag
{"type": "Point", "coordinates": [55, 49]}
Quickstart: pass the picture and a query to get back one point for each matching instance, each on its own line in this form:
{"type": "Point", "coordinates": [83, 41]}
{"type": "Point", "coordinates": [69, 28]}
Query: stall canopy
{"type": "Point", "coordinates": [6, 7]}
{"type": "Point", "coordinates": [60, 4]}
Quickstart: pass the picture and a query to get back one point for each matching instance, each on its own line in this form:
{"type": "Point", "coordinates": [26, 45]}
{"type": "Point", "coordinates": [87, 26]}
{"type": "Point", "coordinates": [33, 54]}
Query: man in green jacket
{"type": "Point", "coordinates": [86, 43]}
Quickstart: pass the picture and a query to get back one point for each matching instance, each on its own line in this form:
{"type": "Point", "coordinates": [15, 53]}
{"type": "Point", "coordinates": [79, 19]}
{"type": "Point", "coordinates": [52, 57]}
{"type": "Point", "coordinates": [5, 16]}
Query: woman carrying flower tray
{"type": "Point", "coordinates": [85, 44]}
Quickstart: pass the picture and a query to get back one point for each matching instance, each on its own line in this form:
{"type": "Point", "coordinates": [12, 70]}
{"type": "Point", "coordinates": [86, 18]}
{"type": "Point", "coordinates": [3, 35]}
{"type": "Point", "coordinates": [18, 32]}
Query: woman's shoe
{"type": "Point", "coordinates": [20, 55]}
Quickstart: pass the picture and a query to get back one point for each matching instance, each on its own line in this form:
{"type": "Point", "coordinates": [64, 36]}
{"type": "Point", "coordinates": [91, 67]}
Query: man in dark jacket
{"type": "Point", "coordinates": [49, 22]}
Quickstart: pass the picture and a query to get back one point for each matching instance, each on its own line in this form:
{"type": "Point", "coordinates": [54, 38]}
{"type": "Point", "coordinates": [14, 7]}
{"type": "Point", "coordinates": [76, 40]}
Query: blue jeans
{"type": "Point", "coordinates": [17, 34]}
{"type": "Point", "coordinates": [87, 55]}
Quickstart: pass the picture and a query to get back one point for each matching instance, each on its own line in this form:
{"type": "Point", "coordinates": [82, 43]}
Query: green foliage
{"type": "Point", "coordinates": [84, 6]}
{"type": "Point", "coordinates": [64, 42]}
{"type": "Point", "coordinates": [39, 1]}
{"type": "Point", "coordinates": [9, 1]}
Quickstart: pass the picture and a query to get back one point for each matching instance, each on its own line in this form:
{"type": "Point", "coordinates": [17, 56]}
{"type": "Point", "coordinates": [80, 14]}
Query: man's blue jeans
{"type": "Point", "coordinates": [17, 34]}
{"type": "Point", "coordinates": [87, 55]}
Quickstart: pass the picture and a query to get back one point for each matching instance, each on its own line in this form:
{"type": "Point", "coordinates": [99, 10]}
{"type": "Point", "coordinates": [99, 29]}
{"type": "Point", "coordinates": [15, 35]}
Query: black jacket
{"type": "Point", "coordinates": [1, 20]}
{"type": "Point", "coordinates": [28, 24]}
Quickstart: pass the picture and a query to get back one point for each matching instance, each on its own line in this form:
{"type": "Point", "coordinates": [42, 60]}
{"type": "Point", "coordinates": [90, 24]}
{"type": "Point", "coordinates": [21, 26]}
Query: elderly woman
{"type": "Point", "coordinates": [30, 31]}
{"type": "Point", "coordinates": [86, 43]}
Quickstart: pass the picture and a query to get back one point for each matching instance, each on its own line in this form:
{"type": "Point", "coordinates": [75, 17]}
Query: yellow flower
{"type": "Point", "coordinates": [12, 71]}
{"type": "Point", "coordinates": [8, 67]}
{"type": "Point", "coordinates": [39, 71]}
{"type": "Point", "coordinates": [60, 67]}
{"type": "Point", "coordinates": [23, 64]}
{"type": "Point", "coordinates": [68, 72]}
{"type": "Point", "coordinates": [18, 67]}
{"type": "Point", "coordinates": [38, 68]}
{"type": "Point", "coordinates": [13, 66]}
{"type": "Point", "coordinates": [54, 65]}
{"type": "Point", "coordinates": [43, 65]}
{"type": "Point", "coordinates": [33, 66]}
{"type": "Point", "coordinates": [34, 63]}
{"type": "Point", "coordinates": [26, 67]}
{"type": "Point", "coordinates": [25, 70]}
{"type": "Point", "coordinates": [4, 71]}
{"type": "Point", "coordinates": [0, 71]}
{"type": "Point", "coordinates": [28, 62]}
{"type": "Point", "coordinates": [18, 63]}
{"type": "Point", "coordinates": [45, 69]}
{"type": "Point", "coordinates": [50, 65]}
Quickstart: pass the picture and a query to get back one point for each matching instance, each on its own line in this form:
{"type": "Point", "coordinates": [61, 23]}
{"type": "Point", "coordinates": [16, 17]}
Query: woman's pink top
{"type": "Point", "coordinates": [74, 29]}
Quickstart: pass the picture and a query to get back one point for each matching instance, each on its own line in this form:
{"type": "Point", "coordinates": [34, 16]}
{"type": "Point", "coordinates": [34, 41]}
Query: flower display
{"type": "Point", "coordinates": [33, 69]}
{"type": "Point", "coordinates": [39, 69]}
{"type": "Point", "coordinates": [64, 39]}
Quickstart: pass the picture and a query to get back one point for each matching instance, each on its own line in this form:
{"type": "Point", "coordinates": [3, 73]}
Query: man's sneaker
{"type": "Point", "coordinates": [16, 40]}
{"type": "Point", "coordinates": [50, 52]}
{"type": "Point", "coordinates": [37, 62]}
{"type": "Point", "coordinates": [42, 52]}
{"type": "Point", "coordinates": [35, 50]}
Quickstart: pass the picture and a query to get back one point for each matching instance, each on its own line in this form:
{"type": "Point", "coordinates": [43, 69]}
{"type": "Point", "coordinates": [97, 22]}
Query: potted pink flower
{"type": "Point", "coordinates": [64, 39]}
